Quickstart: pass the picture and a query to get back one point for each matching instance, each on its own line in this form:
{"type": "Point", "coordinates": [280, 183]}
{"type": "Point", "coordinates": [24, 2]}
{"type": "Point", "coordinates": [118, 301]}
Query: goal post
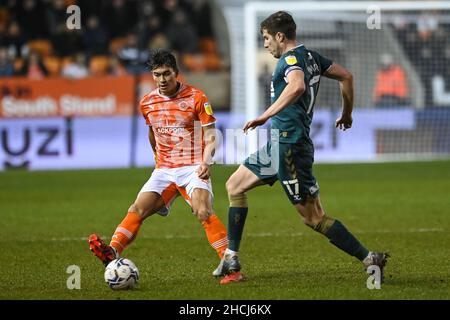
{"type": "Point", "coordinates": [347, 32]}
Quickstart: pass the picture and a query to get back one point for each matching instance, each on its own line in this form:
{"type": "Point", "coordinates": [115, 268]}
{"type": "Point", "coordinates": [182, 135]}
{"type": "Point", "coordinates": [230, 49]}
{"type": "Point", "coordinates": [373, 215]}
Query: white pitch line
{"type": "Point", "coordinates": [251, 235]}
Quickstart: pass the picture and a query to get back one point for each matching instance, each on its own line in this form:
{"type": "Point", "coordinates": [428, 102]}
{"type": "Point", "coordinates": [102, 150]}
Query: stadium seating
{"type": "Point", "coordinates": [41, 46]}
{"type": "Point", "coordinates": [194, 62]}
{"type": "Point", "coordinates": [18, 65]}
{"type": "Point", "coordinates": [207, 45]}
{"type": "Point", "coordinates": [116, 44]}
{"type": "Point", "coordinates": [99, 65]}
{"type": "Point", "coordinates": [53, 65]}
{"type": "Point", "coordinates": [213, 62]}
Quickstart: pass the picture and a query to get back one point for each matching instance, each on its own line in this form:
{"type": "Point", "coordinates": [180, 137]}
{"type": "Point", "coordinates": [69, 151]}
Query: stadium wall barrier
{"type": "Point", "coordinates": [105, 142]}
{"type": "Point", "coordinates": [52, 97]}
{"type": "Point", "coordinates": [65, 143]}
{"type": "Point", "coordinates": [59, 123]}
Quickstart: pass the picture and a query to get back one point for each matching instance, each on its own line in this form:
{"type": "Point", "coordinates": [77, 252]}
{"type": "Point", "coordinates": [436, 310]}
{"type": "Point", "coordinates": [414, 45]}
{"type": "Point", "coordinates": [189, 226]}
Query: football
{"type": "Point", "coordinates": [121, 274]}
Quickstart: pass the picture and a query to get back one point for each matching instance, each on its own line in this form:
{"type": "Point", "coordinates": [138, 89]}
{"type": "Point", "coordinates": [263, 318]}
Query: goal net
{"type": "Point", "coordinates": [399, 54]}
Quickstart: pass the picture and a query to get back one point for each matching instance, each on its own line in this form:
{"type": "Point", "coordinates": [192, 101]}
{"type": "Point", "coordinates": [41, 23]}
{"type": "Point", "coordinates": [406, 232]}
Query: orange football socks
{"type": "Point", "coordinates": [216, 234]}
{"type": "Point", "coordinates": [126, 231]}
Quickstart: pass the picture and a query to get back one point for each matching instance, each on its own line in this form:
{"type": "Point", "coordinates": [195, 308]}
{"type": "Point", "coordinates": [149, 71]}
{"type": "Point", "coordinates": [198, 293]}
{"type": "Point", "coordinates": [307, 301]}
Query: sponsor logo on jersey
{"type": "Point", "coordinates": [208, 108]}
{"type": "Point", "coordinates": [170, 130]}
{"type": "Point", "coordinates": [291, 60]}
{"type": "Point", "coordinates": [313, 68]}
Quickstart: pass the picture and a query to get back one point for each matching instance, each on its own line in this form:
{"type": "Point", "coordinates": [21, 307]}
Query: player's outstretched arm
{"type": "Point", "coordinates": [293, 90]}
{"type": "Point", "coordinates": [345, 78]}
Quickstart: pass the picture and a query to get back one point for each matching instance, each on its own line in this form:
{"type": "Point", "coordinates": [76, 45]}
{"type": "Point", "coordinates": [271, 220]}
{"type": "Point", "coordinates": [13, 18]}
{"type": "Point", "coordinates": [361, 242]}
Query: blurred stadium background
{"type": "Point", "coordinates": [64, 93]}
{"type": "Point", "coordinates": [68, 100]}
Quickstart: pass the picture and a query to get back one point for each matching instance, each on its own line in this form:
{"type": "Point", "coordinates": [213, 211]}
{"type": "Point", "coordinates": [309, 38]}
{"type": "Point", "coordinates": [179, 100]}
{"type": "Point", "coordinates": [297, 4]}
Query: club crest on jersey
{"type": "Point", "coordinates": [183, 105]}
{"type": "Point", "coordinates": [291, 60]}
{"type": "Point", "coordinates": [208, 108]}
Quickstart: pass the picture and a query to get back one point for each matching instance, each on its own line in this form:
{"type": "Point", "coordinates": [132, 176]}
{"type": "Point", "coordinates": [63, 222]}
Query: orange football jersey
{"type": "Point", "coordinates": [177, 123]}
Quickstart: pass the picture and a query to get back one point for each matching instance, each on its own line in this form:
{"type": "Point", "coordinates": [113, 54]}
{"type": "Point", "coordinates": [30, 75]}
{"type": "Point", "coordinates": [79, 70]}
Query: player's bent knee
{"type": "Point", "coordinates": [311, 215]}
{"type": "Point", "coordinates": [142, 212]}
{"type": "Point", "coordinates": [234, 189]}
{"type": "Point", "coordinates": [312, 220]}
{"type": "Point", "coordinates": [230, 186]}
{"type": "Point", "coordinates": [311, 212]}
{"type": "Point", "coordinates": [318, 221]}
{"type": "Point", "coordinates": [202, 214]}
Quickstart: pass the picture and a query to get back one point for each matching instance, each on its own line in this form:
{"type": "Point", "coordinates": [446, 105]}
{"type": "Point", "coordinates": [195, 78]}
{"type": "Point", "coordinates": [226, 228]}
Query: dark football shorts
{"type": "Point", "coordinates": [291, 164]}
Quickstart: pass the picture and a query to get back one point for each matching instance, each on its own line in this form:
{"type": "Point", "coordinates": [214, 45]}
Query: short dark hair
{"type": "Point", "coordinates": [159, 58]}
{"type": "Point", "coordinates": [280, 21]}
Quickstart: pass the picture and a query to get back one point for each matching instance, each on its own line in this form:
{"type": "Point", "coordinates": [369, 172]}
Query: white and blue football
{"type": "Point", "coordinates": [121, 274]}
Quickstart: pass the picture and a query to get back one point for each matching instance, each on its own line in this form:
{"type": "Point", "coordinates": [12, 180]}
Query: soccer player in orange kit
{"type": "Point", "coordinates": [182, 136]}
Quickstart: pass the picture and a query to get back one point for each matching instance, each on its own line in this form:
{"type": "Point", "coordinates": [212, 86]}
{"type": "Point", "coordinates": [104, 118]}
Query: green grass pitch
{"type": "Point", "coordinates": [404, 208]}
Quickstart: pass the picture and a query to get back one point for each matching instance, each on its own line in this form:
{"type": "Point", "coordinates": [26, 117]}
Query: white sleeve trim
{"type": "Point", "coordinates": [208, 124]}
{"type": "Point", "coordinates": [328, 67]}
{"type": "Point", "coordinates": [288, 70]}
